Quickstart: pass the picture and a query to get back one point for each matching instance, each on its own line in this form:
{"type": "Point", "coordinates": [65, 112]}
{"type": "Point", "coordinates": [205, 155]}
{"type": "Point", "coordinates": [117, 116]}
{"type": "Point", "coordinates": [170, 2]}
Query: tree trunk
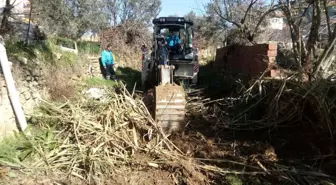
{"type": "Point", "coordinates": [316, 22]}
{"type": "Point", "coordinates": [6, 13]}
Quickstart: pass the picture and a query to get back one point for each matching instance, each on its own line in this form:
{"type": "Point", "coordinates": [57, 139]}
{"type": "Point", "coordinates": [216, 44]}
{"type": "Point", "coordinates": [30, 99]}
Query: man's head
{"type": "Point", "coordinates": [109, 47]}
{"type": "Point", "coordinates": [173, 32]}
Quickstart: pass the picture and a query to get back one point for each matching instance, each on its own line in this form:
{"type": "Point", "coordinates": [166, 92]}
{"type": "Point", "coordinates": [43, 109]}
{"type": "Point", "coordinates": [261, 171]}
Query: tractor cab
{"type": "Point", "coordinates": [177, 34]}
{"type": "Point", "coordinates": [173, 47]}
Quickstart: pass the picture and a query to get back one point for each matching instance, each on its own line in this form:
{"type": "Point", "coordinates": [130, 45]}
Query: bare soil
{"type": "Point", "coordinates": [126, 176]}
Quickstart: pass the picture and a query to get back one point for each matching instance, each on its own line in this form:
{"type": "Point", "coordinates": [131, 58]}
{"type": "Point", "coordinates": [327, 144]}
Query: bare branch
{"type": "Point", "coordinates": [248, 10]}
{"type": "Point", "coordinates": [220, 14]}
{"type": "Point", "coordinates": [327, 18]}
{"type": "Point", "coordinates": [316, 22]}
{"type": "Point", "coordinates": [261, 19]}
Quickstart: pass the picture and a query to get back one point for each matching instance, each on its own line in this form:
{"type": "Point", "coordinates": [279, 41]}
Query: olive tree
{"type": "Point", "coordinates": [141, 11]}
{"type": "Point", "coordinates": [71, 18]}
{"type": "Point", "coordinates": [245, 16]}
{"type": "Point", "coordinates": [305, 22]}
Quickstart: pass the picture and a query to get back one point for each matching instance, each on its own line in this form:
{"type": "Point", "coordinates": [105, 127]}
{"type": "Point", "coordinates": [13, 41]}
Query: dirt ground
{"type": "Point", "coordinates": [126, 177]}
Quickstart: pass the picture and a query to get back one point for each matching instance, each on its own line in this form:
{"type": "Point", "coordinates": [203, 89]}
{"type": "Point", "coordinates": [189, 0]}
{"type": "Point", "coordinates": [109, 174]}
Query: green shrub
{"type": "Point", "coordinates": [88, 47]}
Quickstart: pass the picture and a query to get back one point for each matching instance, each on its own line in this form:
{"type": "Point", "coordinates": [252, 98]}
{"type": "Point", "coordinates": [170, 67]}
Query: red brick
{"type": "Point", "coordinates": [272, 53]}
{"type": "Point", "coordinates": [272, 46]}
{"type": "Point", "coordinates": [275, 73]}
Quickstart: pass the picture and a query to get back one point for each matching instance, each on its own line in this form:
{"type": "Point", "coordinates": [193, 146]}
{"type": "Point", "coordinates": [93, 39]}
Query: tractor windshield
{"type": "Point", "coordinates": [184, 34]}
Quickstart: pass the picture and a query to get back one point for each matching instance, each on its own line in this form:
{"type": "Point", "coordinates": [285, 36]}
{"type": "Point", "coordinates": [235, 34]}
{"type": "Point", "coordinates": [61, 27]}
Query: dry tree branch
{"type": "Point", "coordinates": [248, 11]}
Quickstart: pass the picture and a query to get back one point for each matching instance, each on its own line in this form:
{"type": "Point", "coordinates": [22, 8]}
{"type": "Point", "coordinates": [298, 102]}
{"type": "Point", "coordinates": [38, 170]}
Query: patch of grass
{"type": "Point", "coordinates": [68, 59]}
{"type": "Point", "coordinates": [126, 75]}
{"type": "Point", "coordinates": [88, 47]}
{"type": "Point", "coordinates": [40, 50]}
{"type": "Point", "coordinates": [66, 42]}
{"type": "Point", "coordinates": [47, 52]}
{"type": "Point", "coordinates": [100, 82]}
{"type": "Point", "coordinates": [64, 58]}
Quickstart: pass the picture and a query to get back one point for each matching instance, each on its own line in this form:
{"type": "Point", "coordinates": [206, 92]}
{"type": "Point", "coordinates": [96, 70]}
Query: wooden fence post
{"type": "Point", "coordinates": [12, 92]}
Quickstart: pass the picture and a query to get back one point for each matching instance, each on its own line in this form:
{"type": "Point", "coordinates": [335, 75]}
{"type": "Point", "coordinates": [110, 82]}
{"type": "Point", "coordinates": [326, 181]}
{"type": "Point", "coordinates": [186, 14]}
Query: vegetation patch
{"type": "Point", "coordinates": [88, 47]}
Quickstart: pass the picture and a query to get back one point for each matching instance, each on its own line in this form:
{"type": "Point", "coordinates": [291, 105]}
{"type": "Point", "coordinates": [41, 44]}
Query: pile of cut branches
{"type": "Point", "coordinates": [96, 139]}
{"type": "Point", "coordinates": [277, 103]}
{"type": "Point", "coordinates": [308, 108]}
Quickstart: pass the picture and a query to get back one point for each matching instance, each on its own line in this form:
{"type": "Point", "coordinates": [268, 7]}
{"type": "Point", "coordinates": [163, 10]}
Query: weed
{"type": "Point", "coordinates": [18, 150]}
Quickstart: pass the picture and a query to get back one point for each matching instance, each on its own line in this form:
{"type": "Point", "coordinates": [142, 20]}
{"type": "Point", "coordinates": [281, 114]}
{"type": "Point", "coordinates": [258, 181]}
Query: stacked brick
{"type": "Point", "coordinates": [248, 61]}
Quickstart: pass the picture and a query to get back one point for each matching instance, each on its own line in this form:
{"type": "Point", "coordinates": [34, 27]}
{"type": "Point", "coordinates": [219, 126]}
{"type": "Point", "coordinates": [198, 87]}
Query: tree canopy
{"type": "Point", "coordinates": [72, 18]}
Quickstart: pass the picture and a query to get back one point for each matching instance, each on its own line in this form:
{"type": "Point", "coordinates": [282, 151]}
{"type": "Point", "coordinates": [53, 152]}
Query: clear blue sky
{"type": "Point", "coordinates": [182, 7]}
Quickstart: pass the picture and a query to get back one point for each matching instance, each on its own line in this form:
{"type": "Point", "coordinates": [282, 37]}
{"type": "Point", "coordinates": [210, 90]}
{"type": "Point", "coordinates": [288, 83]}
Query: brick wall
{"type": "Point", "coordinates": [249, 61]}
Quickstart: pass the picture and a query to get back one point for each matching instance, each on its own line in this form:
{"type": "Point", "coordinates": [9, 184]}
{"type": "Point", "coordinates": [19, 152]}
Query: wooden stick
{"type": "Point", "coordinates": [134, 89]}
{"type": "Point", "coordinates": [12, 92]}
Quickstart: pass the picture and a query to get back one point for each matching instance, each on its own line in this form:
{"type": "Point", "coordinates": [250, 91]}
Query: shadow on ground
{"type": "Point", "coordinates": [129, 76]}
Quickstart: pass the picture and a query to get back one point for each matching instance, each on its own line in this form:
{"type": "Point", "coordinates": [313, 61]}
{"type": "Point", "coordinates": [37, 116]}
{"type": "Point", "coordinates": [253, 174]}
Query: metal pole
{"type": "Point", "coordinates": [12, 92]}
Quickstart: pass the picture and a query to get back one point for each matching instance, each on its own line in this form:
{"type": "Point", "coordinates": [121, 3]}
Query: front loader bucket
{"type": "Point", "coordinates": [170, 107]}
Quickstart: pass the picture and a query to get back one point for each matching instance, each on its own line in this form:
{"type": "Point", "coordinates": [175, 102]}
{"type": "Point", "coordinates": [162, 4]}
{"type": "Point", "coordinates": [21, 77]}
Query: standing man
{"type": "Point", "coordinates": [108, 62]}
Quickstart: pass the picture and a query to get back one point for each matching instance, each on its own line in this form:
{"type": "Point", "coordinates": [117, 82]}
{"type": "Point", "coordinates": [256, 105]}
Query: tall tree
{"type": "Point", "coordinates": [71, 18]}
{"type": "Point", "coordinates": [208, 29]}
{"type": "Point", "coordinates": [142, 11]}
{"type": "Point", "coordinates": [5, 15]}
{"type": "Point", "coordinates": [245, 15]}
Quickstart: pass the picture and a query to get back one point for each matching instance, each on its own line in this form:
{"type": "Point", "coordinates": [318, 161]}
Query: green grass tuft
{"type": "Point", "coordinates": [88, 47]}
{"type": "Point", "coordinates": [100, 82]}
